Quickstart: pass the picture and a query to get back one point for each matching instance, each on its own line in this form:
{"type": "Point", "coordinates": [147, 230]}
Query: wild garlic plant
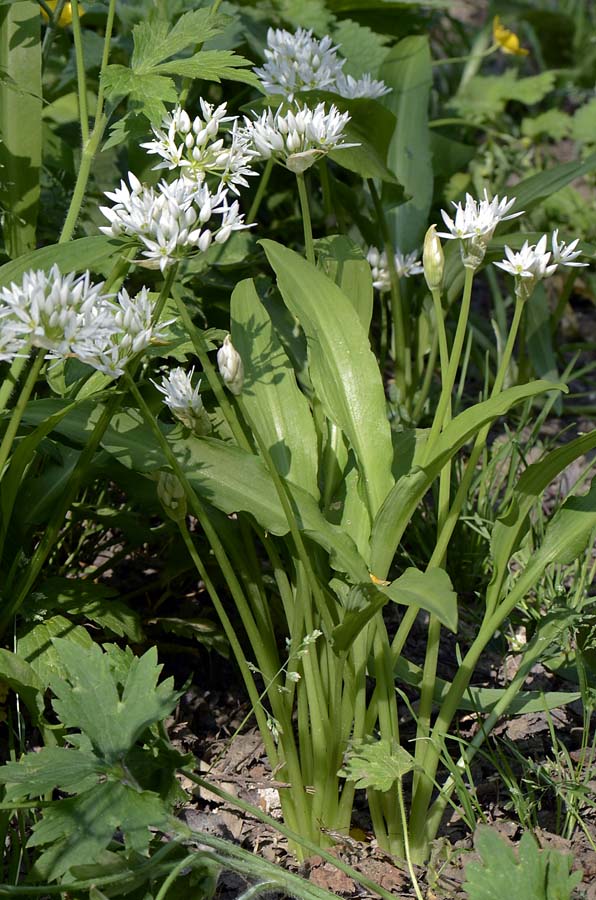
{"type": "Point", "coordinates": [283, 453]}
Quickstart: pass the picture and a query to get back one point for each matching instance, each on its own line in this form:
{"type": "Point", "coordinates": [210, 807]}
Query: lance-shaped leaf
{"type": "Point", "coordinates": [75, 256]}
{"type": "Point", "coordinates": [276, 405]}
{"type": "Point", "coordinates": [343, 369]}
{"type": "Point", "coordinates": [399, 506]}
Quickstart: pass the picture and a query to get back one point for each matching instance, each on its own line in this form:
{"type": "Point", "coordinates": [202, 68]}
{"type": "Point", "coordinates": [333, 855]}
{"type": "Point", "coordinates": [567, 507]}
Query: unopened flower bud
{"type": "Point", "coordinates": [230, 366]}
{"type": "Point", "coordinates": [171, 496]}
{"type": "Point", "coordinates": [433, 259]}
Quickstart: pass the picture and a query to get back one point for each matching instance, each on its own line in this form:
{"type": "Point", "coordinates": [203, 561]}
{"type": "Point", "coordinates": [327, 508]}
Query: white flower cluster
{"type": "Point", "coordinates": [297, 138]}
{"type": "Point", "coordinates": [405, 265]}
{"type": "Point", "coordinates": [171, 219]}
{"type": "Point", "coordinates": [300, 62]}
{"type": "Point", "coordinates": [185, 401]}
{"type": "Point", "coordinates": [534, 262]}
{"type": "Point", "coordinates": [70, 316]}
{"type": "Point", "coordinates": [200, 148]}
{"type": "Point", "coordinates": [474, 225]}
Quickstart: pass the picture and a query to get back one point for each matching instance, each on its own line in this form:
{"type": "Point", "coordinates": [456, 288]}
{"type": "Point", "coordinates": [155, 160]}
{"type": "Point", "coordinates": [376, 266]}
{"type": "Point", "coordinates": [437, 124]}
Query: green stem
{"type": "Point", "coordinates": [87, 156]}
{"type": "Point", "coordinates": [80, 67]}
{"type": "Point", "coordinates": [91, 144]}
{"type": "Point", "coordinates": [306, 222]}
{"type": "Point", "coordinates": [12, 379]}
{"type": "Point", "coordinates": [258, 197]}
{"type": "Point", "coordinates": [53, 18]}
{"type": "Point", "coordinates": [449, 377]}
{"type": "Point", "coordinates": [19, 408]}
{"type": "Point", "coordinates": [200, 346]}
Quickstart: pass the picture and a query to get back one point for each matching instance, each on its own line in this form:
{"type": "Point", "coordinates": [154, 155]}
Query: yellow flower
{"type": "Point", "coordinates": [66, 14]}
{"type": "Point", "coordinates": [507, 40]}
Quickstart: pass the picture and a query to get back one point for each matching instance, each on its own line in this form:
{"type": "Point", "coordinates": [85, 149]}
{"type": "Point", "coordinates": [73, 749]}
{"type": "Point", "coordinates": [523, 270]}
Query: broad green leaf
{"type": "Point", "coordinates": [155, 41]}
{"type": "Point", "coordinates": [20, 124]}
{"type": "Point", "coordinates": [483, 700]}
{"type": "Point", "coordinates": [221, 473]}
{"type": "Point", "coordinates": [531, 873]}
{"type": "Point", "coordinates": [583, 127]}
{"type": "Point", "coordinates": [147, 91]}
{"type": "Point", "coordinates": [234, 481]}
{"type": "Point", "coordinates": [532, 190]}
{"type": "Point", "coordinates": [95, 602]}
{"type": "Point", "coordinates": [371, 127]}
{"type": "Point", "coordinates": [343, 262]}
{"type": "Point", "coordinates": [75, 256]}
{"type": "Point", "coordinates": [511, 525]}
{"type": "Point", "coordinates": [88, 698]}
{"type": "Point", "coordinates": [343, 369]}
{"type": "Point", "coordinates": [363, 49]}
{"type": "Point", "coordinates": [407, 70]}
{"type": "Point", "coordinates": [376, 764]}
{"type": "Point", "coordinates": [40, 773]}
{"type": "Point", "coordinates": [79, 828]}
{"type": "Point", "coordinates": [486, 96]}
{"type": "Point", "coordinates": [35, 645]}
{"type": "Point", "coordinates": [399, 506]}
{"type": "Point", "coordinates": [276, 406]}
{"type": "Point", "coordinates": [553, 124]}
{"type": "Point", "coordinates": [19, 675]}
{"type": "Point", "coordinates": [211, 65]}
{"type": "Point", "coordinates": [430, 590]}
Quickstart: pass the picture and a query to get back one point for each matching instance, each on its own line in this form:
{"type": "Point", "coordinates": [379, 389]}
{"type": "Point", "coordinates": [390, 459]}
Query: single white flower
{"type": "Point", "coordinates": [300, 62]}
{"type": "Point", "coordinates": [565, 254]}
{"type": "Point", "coordinates": [230, 365]}
{"type": "Point", "coordinates": [405, 265]}
{"type": "Point", "coordinates": [297, 138]}
{"type": "Point", "coordinates": [474, 225]}
{"type": "Point", "coordinates": [185, 401]}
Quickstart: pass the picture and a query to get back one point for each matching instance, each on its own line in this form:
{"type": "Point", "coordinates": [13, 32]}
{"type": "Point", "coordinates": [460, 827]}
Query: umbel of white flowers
{"type": "Point", "coordinates": [534, 262]}
{"type": "Point", "coordinates": [185, 401]}
{"type": "Point", "coordinates": [298, 138]}
{"type": "Point", "coordinates": [474, 225]}
{"type": "Point", "coordinates": [172, 219]}
{"type": "Point", "coordinates": [300, 62]}
{"type": "Point", "coordinates": [405, 266]}
{"type": "Point", "coordinates": [202, 148]}
{"type": "Point", "coordinates": [68, 316]}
